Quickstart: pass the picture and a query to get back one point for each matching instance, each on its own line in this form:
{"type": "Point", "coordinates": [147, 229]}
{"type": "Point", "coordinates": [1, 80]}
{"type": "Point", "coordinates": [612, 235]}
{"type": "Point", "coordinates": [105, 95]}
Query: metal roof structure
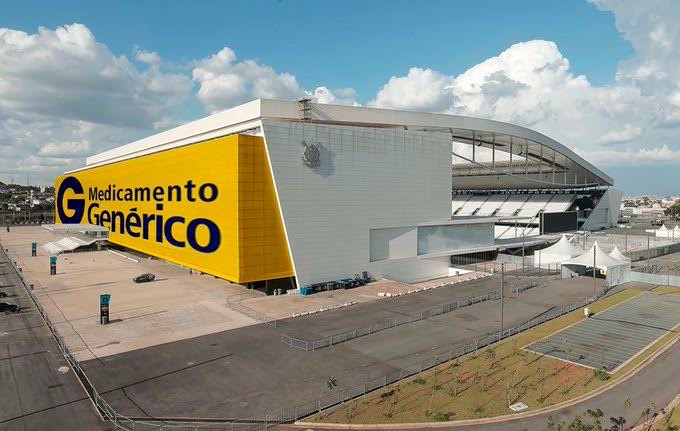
{"type": "Point", "coordinates": [526, 158]}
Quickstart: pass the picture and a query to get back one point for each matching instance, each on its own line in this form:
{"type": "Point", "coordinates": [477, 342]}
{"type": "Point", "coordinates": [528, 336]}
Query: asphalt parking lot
{"type": "Point", "coordinates": [34, 393]}
{"type": "Point", "coordinates": [248, 371]}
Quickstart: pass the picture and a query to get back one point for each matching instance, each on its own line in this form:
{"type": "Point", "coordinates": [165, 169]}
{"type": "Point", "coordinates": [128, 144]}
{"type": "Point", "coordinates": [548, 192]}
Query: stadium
{"type": "Point", "coordinates": [295, 194]}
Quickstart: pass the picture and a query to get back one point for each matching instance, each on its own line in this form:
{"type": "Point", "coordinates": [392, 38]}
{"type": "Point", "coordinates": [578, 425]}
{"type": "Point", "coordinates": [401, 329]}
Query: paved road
{"type": "Point", "coordinates": [656, 383]}
{"type": "Point", "coordinates": [34, 394]}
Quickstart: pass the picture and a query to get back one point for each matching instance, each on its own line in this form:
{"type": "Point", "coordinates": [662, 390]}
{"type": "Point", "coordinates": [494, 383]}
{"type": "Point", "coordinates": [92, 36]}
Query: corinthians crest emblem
{"type": "Point", "coordinates": [310, 156]}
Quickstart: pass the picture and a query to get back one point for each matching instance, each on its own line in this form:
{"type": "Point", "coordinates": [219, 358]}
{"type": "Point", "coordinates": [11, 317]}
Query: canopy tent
{"type": "Point", "coordinates": [663, 231]}
{"type": "Point", "coordinates": [557, 253]}
{"type": "Point", "coordinates": [616, 254]}
{"type": "Point", "coordinates": [602, 259]}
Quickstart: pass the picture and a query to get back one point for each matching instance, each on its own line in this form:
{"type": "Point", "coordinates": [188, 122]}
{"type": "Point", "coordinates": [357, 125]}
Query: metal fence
{"type": "Point", "coordinates": [372, 328]}
{"type": "Point", "coordinates": [342, 395]}
{"type": "Point", "coordinates": [235, 304]}
{"type": "Point", "coordinates": [104, 408]}
{"type": "Point", "coordinates": [385, 324]}
{"type": "Point", "coordinates": [653, 252]}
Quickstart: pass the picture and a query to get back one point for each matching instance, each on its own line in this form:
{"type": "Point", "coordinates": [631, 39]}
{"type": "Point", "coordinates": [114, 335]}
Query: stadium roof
{"type": "Point", "coordinates": [537, 160]}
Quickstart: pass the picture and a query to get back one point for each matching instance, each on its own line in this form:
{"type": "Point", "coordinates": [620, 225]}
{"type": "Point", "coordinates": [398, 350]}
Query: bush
{"type": "Point", "coordinates": [440, 417]}
{"type": "Point", "coordinates": [602, 375]}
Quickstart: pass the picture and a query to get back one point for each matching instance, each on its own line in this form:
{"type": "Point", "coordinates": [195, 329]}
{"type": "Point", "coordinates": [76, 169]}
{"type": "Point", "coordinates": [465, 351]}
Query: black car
{"type": "Point", "coordinates": [8, 308]}
{"type": "Point", "coordinates": [144, 278]}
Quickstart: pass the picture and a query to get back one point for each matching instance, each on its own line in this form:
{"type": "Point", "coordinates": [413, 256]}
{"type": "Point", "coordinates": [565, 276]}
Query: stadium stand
{"type": "Point", "coordinates": [512, 205]}
{"type": "Point", "coordinates": [560, 203]}
{"type": "Point", "coordinates": [472, 205]}
{"type": "Point", "coordinates": [492, 205]}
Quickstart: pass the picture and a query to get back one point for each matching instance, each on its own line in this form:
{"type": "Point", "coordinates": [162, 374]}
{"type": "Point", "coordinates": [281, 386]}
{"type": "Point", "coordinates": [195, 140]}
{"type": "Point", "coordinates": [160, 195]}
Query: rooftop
{"type": "Point", "coordinates": [525, 145]}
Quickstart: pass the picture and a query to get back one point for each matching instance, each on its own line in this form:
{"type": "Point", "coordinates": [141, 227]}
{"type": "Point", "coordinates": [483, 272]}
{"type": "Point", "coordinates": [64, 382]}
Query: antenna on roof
{"type": "Point", "coordinates": [304, 109]}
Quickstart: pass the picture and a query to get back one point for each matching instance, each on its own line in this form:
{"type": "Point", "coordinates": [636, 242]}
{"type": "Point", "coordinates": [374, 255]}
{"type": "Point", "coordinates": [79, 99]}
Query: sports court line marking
{"type": "Point", "coordinates": [675, 328]}
{"type": "Point", "coordinates": [589, 343]}
{"type": "Point", "coordinates": [578, 321]}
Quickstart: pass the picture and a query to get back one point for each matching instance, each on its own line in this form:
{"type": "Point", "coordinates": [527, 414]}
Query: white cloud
{"type": "Point", "coordinates": [61, 90]}
{"type": "Point", "coordinates": [662, 154]}
{"type": "Point", "coordinates": [66, 73]}
{"type": "Point", "coordinates": [339, 96]}
{"type": "Point", "coordinates": [420, 90]}
{"type": "Point", "coordinates": [67, 148]}
{"type": "Point", "coordinates": [148, 57]}
{"type": "Point", "coordinates": [531, 84]}
{"type": "Point", "coordinates": [225, 82]}
{"type": "Point", "coordinates": [628, 133]}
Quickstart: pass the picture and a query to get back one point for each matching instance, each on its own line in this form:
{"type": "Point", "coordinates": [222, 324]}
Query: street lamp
{"type": "Point", "coordinates": [594, 268]}
{"type": "Point", "coordinates": [502, 293]}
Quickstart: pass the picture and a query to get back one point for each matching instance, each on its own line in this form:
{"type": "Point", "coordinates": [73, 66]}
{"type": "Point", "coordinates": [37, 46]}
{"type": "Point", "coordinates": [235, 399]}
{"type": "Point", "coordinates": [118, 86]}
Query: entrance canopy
{"type": "Point", "coordinates": [557, 253]}
{"type": "Point", "coordinates": [616, 254]}
{"type": "Point", "coordinates": [597, 256]}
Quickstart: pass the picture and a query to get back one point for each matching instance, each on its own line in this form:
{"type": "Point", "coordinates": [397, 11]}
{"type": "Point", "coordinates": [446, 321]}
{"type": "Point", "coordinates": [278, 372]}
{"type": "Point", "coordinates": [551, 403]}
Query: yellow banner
{"type": "Point", "coordinates": [186, 205]}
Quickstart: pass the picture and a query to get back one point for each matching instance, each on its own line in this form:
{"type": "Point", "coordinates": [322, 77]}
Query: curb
{"type": "Point", "coordinates": [646, 425]}
{"type": "Point", "coordinates": [504, 418]}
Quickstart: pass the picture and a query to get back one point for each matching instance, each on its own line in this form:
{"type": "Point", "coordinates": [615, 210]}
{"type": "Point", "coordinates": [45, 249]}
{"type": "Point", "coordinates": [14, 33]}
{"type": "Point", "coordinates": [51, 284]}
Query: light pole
{"type": "Point", "coordinates": [594, 268]}
{"type": "Point", "coordinates": [522, 252]}
{"type": "Point", "coordinates": [647, 252]}
{"type": "Point", "coordinates": [502, 293]}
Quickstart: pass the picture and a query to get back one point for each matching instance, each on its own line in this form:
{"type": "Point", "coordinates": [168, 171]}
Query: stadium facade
{"type": "Point", "coordinates": [277, 190]}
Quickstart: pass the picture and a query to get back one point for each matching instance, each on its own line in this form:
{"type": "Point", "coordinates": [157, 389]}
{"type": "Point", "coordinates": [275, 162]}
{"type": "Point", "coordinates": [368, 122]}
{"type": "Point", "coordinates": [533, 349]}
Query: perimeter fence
{"type": "Point", "coordinates": [234, 303]}
{"type": "Point", "coordinates": [107, 412]}
{"type": "Point", "coordinates": [333, 398]}
{"type": "Point", "coordinates": [372, 328]}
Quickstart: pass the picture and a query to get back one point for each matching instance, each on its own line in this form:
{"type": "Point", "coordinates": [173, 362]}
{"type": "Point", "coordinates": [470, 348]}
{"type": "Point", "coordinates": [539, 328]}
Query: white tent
{"type": "Point", "coordinates": [557, 253]}
{"type": "Point", "coordinates": [676, 232]}
{"type": "Point", "coordinates": [616, 254]}
{"type": "Point", "coordinates": [663, 232]}
{"type": "Point", "coordinates": [602, 259]}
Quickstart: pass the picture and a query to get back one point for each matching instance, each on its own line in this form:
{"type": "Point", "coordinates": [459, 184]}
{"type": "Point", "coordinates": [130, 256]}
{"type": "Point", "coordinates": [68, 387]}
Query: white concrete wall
{"type": "Point", "coordinates": [606, 212]}
{"type": "Point", "coordinates": [368, 178]}
{"type": "Point", "coordinates": [393, 243]}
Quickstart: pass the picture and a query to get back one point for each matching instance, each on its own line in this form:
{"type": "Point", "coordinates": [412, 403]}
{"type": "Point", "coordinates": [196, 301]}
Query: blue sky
{"type": "Point", "coordinates": [600, 76]}
{"type": "Point", "coordinates": [377, 39]}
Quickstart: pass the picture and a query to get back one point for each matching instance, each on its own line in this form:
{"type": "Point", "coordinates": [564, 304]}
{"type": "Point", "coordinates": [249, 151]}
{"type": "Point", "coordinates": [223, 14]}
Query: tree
{"type": "Point", "coordinates": [673, 211]}
{"type": "Point", "coordinates": [617, 423]}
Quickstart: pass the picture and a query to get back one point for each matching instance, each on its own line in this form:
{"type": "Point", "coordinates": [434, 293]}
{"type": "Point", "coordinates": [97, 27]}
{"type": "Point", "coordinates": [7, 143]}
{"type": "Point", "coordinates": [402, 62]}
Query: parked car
{"type": "Point", "coordinates": [8, 308]}
{"type": "Point", "coordinates": [144, 278]}
{"type": "Point", "coordinates": [3, 294]}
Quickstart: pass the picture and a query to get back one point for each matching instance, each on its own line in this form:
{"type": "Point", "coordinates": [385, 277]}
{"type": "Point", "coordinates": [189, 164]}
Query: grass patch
{"type": "Point", "coordinates": [670, 421]}
{"type": "Point", "coordinates": [484, 385]}
{"type": "Point", "coordinates": [602, 375]}
{"type": "Point", "coordinates": [440, 417]}
{"type": "Point", "coordinates": [667, 290]}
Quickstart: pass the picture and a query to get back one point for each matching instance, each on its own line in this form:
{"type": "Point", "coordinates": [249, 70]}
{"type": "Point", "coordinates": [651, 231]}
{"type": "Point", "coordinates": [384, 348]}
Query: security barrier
{"type": "Point", "coordinates": [351, 334]}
